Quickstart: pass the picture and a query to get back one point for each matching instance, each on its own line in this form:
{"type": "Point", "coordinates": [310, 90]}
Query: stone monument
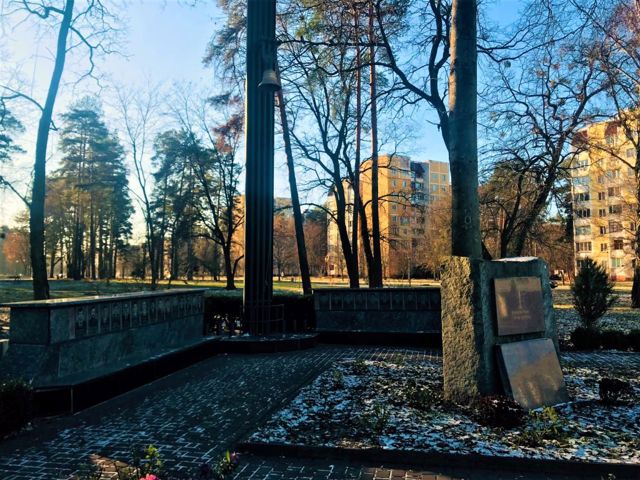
{"type": "Point", "coordinates": [499, 332]}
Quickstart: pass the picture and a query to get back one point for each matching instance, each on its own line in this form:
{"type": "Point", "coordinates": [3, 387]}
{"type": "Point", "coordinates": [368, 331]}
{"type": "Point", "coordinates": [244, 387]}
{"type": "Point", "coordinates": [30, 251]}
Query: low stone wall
{"type": "Point", "coordinates": [378, 310]}
{"type": "Point", "coordinates": [53, 342]}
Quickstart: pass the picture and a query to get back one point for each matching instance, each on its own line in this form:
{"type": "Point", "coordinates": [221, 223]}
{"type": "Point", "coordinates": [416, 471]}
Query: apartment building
{"type": "Point", "coordinates": [604, 202]}
{"type": "Point", "coordinates": [405, 189]}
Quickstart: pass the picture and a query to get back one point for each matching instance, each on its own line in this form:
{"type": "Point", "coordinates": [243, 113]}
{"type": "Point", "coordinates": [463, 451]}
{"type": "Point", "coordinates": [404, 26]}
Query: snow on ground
{"type": "Point", "coordinates": [397, 405]}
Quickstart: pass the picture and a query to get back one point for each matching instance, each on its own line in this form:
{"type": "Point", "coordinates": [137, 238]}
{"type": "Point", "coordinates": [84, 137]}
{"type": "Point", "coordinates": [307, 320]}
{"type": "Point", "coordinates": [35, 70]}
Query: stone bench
{"type": "Point", "coordinates": [404, 311]}
{"type": "Point", "coordinates": [68, 341]}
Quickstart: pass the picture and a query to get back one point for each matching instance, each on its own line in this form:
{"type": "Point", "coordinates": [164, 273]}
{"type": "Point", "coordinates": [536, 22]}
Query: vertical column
{"type": "Point", "coordinates": [259, 133]}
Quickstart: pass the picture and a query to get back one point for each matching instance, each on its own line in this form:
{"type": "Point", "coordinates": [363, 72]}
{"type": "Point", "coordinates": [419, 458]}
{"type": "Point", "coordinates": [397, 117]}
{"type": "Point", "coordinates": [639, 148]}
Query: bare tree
{"type": "Point", "coordinates": [88, 25]}
{"type": "Point", "coordinates": [139, 109]}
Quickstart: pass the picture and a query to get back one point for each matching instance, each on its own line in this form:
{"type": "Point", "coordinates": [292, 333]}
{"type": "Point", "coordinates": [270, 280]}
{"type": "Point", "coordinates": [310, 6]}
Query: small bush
{"type": "Point", "coordinates": [614, 340]}
{"type": "Point", "coordinates": [592, 293]}
{"type": "Point", "coordinates": [634, 340]}
{"type": "Point", "coordinates": [499, 411]}
{"type": "Point", "coordinates": [375, 421]}
{"type": "Point", "coordinates": [543, 425]}
{"type": "Point", "coordinates": [613, 390]}
{"type": "Point", "coordinates": [359, 367]}
{"type": "Point", "coordinates": [16, 405]}
{"type": "Point", "coordinates": [421, 397]}
{"type": "Point", "coordinates": [585, 339]}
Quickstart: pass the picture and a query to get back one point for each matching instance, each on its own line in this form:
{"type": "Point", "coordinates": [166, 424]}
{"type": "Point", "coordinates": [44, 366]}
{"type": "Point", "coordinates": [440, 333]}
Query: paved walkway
{"type": "Point", "coordinates": [196, 414]}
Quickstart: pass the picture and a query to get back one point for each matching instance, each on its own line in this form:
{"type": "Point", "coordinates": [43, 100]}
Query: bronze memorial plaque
{"type": "Point", "coordinates": [531, 373]}
{"type": "Point", "coordinates": [519, 307]}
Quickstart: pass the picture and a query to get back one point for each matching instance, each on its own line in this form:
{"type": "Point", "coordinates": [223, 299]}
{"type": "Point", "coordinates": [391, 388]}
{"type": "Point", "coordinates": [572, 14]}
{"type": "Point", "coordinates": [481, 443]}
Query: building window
{"type": "Point", "coordinates": [581, 262]}
{"type": "Point", "coordinates": [610, 139]}
{"type": "Point", "coordinates": [393, 183]}
{"type": "Point", "coordinates": [630, 152]}
{"type": "Point", "coordinates": [603, 230]}
{"type": "Point", "coordinates": [602, 212]}
{"type": "Point", "coordinates": [603, 247]}
{"type": "Point", "coordinates": [615, 227]}
{"type": "Point", "coordinates": [616, 262]}
{"type": "Point", "coordinates": [583, 246]}
{"type": "Point", "coordinates": [632, 227]}
{"type": "Point", "coordinates": [615, 209]}
{"type": "Point", "coordinates": [581, 181]}
{"type": "Point", "coordinates": [586, 230]}
{"type": "Point", "coordinates": [600, 178]}
{"type": "Point", "coordinates": [614, 191]}
{"type": "Point", "coordinates": [582, 163]}
{"type": "Point", "coordinates": [582, 197]}
{"type": "Point", "coordinates": [393, 230]}
{"type": "Point", "coordinates": [602, 195]}
{"type": "Point", "coordinates": [404, 220]}
{"type": "Point", "coordinates": [613, 174]}
{"type": "Point", "coordinates": [618, 244]}
{"type": "Point", "coordinates": [583, 212]}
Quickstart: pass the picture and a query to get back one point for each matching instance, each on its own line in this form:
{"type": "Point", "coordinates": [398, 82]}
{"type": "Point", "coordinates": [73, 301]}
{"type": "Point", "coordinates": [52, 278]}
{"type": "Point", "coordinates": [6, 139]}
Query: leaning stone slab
{"type": "Point", "coordinates": [531, 373]}
{"type": "Point", "coordinates": [469, 322]}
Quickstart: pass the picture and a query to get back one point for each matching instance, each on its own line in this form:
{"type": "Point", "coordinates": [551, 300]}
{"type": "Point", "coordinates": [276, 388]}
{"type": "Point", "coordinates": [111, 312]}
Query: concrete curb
{"type": "Point", "coordinates": [415, 459]}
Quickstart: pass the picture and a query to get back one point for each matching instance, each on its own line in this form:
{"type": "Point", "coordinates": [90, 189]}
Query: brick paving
{"type": "Point", "coordinates": [259, 468]}
{"type": "Point", "coordinates": [196, 414]}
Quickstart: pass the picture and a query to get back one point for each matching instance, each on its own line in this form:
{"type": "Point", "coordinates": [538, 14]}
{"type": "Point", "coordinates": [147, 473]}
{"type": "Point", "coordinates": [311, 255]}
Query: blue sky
{"type": "Point", "coordinates": [164, 44]}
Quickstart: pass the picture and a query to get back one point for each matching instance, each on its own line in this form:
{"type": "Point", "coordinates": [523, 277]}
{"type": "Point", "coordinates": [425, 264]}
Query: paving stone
{"type": "Point", "coordinates": [198, 413]}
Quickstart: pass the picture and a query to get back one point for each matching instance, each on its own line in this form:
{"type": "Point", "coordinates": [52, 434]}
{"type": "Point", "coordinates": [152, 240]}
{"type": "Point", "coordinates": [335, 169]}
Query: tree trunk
{"type": "Point", "coordinates": [356, 167]}
{"type": "Point", "coordinates": [295, 200]}
{"type": "Point", "coordinates": [463, 140]}
{"type": "Point", "coordinates": [375, 272]}
{"type": "Point", "coordinates": [36, 213]}
{"type": "Point", "coordinates": [635, 289]}
{"type": "Point", "coordinates": [228, 269]}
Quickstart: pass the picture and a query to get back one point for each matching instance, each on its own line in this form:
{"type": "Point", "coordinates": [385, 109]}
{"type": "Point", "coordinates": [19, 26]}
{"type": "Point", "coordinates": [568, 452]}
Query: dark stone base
{"type": "Point", "coordinates": [73, 397]}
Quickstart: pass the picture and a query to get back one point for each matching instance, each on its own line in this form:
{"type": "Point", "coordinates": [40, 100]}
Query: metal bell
{"type": "Point", "coordinates": [270, 81]}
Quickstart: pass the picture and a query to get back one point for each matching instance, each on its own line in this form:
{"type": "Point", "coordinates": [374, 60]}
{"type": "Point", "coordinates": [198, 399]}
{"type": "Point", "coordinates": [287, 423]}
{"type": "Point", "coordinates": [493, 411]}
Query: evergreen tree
{"type": "Point", "coordinates": [96, 182]}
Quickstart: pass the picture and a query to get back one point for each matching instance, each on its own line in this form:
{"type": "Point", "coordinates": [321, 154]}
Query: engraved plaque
{"type": "Point", "coordinates": [92, 327]}
{"type": "Point", "coordinates": [81, 323]}
{"type": "Point", "coordinates": [531, 373]}
{"type": "Point", "coordinates": [519, 307]}
{"type": "Point", "coordinates": [348, 301]}
{"type": "Point", "coordinates": [105, 318]}
{"type": "Point", "coordinates": [360, 301]}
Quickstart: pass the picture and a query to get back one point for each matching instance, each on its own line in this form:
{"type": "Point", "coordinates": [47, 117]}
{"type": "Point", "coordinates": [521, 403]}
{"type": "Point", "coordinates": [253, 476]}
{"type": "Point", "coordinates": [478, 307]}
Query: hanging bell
{"type": "Point", "coordinates": [270, 81]}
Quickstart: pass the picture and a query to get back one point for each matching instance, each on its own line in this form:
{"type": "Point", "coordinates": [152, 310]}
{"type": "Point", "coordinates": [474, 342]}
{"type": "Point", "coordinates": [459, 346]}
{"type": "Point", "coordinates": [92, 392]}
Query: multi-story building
{"type": "Point", "coordinates": [603, 190]}
{"type": "Point", "coordinates": [405, 189]}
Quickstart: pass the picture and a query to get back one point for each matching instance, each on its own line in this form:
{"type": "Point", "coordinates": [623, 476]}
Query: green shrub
{"type": "Point", "coordinates": [613, 390]}
{"type": "Point", "coordinates": [224, 307]}
{"type": "Point", "coordinates": [634, 340]}
{"type": "Point", "coordinates": [614, 339]}
{"type": "Point", "coordinates": [16, 405]}
{"type": "Point", "coordinates": [374, 422]}
{"type": "Point", "coordinates": [544, 425]}
{"type": "Point", "coordinates": [592, 293]}
{"type": "Point", "coordinates": [499, 411]}
{"type": "Point", "coordinates": [583, 338]}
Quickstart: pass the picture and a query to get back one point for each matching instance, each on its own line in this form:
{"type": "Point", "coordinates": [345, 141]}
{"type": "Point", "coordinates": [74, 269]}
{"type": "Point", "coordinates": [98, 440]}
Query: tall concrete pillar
{"type": "Point", "coordinates": [259, 134]}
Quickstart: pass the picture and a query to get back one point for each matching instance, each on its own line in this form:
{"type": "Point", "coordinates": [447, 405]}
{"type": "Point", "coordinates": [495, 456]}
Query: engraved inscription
{"type": "Point", "coordinates": [519, 306]}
